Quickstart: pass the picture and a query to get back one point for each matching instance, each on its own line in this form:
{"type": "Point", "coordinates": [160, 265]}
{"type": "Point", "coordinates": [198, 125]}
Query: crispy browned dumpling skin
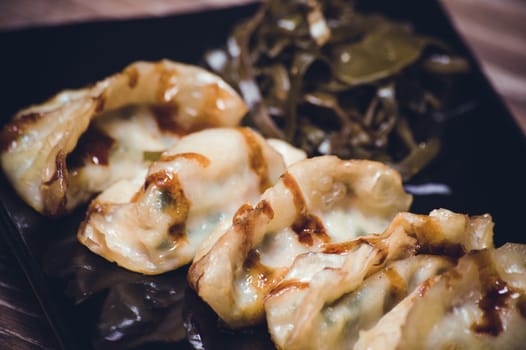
{"type": "Point", "coordinates": [35, 145]}
{"type": "Point", "coordinates": [156, 222]}
{"type": "Point", "coordinates": [479, 304]}
{"type": "Point", "coordinates": [317, 201]}
{"type": "Point", "coordinates": [348, 287]}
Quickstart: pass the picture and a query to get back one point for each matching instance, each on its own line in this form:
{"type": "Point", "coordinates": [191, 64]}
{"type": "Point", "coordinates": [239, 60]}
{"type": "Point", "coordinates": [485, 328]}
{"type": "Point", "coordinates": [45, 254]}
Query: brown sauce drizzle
{"type": "Point", "coordinates": [60, 169]}
{"type": "Point", "coordinates": [307, 226]}
{"type": "Point", "coordinates": [133, 76]}
{"type": "Point", "coordinates": [198, 157]}
{"type": "Point", "coordinates": [424, 287]}
{"type": "Point", "coordinates": [398, 285]}
{"type": "Point", "coordinates": [256, 158]}
{"type": "Point", "coordinates": [242, 215]}
{"type": "Point", "coordinates": [244, 221]}
{"type": "Point", "coordinates": [294, 188]}
{"type": "Point", "coordinates": [166, 181]}
{"type": "Point", "coordinates": [426, 234]}
{"type": "Point", "coordinates": [167, 88]}
{"type": "Point", "coordinates": [245, 217]}
{"type": "Point", "coordinates": [16, 128]}
{"type": "Point", "coordinates": [495, 295]}
{"type": "Point", "coordinates": [178, 232]}
{"type": "Point", "coordinates": [263, 207]}
{"type": "Point", "coordinates": [397, 288]}
{"type": "Point", "coordinates": [444, 248]}
{"type": "Point", "coordinates": [344, 247]}
{"type": "Point", "coordinates": [166, 110]}
{"type": "Point", "coordinates": [166, 117]}
{"type": "Point", "coordinates": [93, 147]}
{"type": "Point", "coordinates": [261, 276]}
{"type": "Point", "coordinates": [54, 189]}
{"type": "Point", "coordinates": [286, 285]}
{"type": "Point", "coordinates": [174, 201]}
{"type": "Point", "coordinates": [100, 103]}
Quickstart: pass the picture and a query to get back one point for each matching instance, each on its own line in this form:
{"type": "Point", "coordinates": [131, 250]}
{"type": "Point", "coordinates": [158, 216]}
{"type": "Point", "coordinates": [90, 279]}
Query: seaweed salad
{"type": "Point", "coordinates": [333, 79]}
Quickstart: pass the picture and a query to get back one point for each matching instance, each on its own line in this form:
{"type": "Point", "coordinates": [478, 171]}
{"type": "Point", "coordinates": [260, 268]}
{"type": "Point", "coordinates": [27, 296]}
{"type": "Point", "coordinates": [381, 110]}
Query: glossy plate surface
{"type": "Point", "coordinates": [482, 162]}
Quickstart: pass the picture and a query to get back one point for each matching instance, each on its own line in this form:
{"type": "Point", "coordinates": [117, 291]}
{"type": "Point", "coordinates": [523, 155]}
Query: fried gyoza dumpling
{"type": "Point", "coordinates": [155, 224]}
{"type": "Point", "coordinates": [316, 202]}
{"type": "Point", "coordinates": [334, 294]}
{"type": "Point", "coordinates": [119, 145]}
{"type": "Point", "coordinates": [35, 145]}
{"type": "Point", "coordinates": [479, 304]}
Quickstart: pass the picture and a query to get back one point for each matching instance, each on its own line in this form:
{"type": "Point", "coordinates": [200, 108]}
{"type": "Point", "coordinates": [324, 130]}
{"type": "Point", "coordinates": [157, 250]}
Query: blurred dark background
{"type": "Point", "coordinates": [495, 30]}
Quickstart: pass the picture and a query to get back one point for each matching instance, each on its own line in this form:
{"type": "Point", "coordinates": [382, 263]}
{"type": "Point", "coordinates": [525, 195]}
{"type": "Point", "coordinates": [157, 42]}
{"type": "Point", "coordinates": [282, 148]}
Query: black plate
{"type": "Point", "coordinates": [482, 160]}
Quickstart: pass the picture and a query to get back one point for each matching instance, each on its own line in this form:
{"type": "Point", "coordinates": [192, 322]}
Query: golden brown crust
{"type": "Point", "coordinates": [334, 292]}
{"type": "Point", "coordinates": [317, 202]}
{"type": "Point", "coordinates": [188, 97]}
{"type": "Point", "coordinates": [190, 190]}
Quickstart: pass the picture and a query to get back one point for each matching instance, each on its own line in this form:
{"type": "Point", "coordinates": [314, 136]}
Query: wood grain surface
{"type": "Point", "coordinates": [22, 322]}
{"type": "Point", "coordinates": [495, 30]}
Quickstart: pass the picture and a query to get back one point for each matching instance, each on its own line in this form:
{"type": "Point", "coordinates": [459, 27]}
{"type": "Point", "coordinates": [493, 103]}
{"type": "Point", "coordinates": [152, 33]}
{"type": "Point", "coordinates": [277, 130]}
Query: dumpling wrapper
{"type": "Point", "coordinates": [479, 304]}
{"type": "Point", "coordinates": [35, 145]}
{"type": "Point", "coordinates": [155, 224]}
{"type": "Point", "coordinates": [316, 296]}
{"type": "Point", "coordinates": [317, 201]}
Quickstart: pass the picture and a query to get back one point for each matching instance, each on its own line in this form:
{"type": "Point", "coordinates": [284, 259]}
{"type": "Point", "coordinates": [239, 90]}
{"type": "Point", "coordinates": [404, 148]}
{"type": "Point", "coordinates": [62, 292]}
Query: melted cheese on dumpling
{"type": "Point", "coordinates": [326, 293]}
{"type": "Point", "coordinates": [339, 322]}
{"type": "Point", "coordinates": [186, 195]}
{"type": "Point", "coordinates": [316, 202]}
{"type": "Point", "coordinates": [479, 304]}
{"type": "Point", "coordinates": [119, 145]}
{"type": "Point", "coordinates": [35, 145]}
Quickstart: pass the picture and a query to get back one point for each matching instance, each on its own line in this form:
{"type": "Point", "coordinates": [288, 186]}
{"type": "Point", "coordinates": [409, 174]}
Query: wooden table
{"type": "Point", "coordinates": [22, 323]}
{"type": "Point", "coordinates": [496, 31]}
